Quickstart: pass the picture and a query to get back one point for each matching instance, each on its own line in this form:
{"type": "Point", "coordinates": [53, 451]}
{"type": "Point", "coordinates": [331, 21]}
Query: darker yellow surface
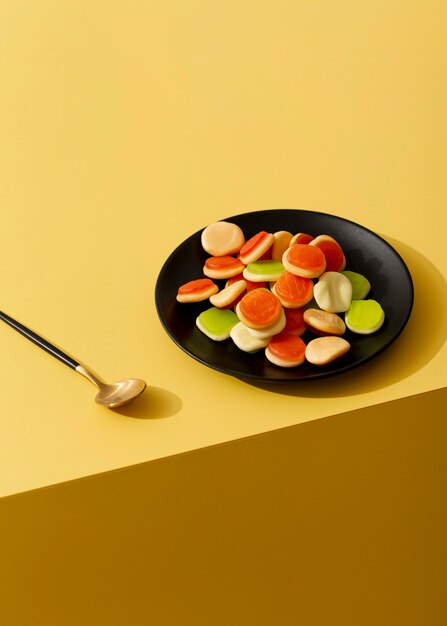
{"type": "Point", "coordinates": [127, 126]}
{"type": "Point", "coordinates": [340, 521]}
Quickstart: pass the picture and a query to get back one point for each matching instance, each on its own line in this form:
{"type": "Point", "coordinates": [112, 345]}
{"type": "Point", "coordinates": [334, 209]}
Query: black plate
{"type": "Point", "coordinates": [365, 252]}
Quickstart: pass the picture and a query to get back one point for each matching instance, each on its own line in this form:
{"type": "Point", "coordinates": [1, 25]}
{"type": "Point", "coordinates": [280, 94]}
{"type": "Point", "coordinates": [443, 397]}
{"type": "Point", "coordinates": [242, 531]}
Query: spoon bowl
{"type": "Point", "coordinates": [119, 393]}
{"type": "Point", "coordinates": [113, 394]}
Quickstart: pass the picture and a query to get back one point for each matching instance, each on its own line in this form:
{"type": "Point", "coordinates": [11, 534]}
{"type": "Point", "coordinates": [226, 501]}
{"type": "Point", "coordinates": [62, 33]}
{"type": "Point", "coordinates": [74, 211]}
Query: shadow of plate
{"type": "Point", "coordinates": [421, 339]}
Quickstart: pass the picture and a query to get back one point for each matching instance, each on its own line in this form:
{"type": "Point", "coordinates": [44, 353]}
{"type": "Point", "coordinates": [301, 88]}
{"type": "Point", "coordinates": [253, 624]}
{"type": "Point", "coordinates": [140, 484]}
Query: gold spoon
{"type": "Point", "coordinates": [112, 395]}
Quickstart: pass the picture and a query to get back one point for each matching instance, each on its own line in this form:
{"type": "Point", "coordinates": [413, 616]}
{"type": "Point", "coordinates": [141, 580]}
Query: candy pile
{"type": "Point", "coordinates": [278, 286]}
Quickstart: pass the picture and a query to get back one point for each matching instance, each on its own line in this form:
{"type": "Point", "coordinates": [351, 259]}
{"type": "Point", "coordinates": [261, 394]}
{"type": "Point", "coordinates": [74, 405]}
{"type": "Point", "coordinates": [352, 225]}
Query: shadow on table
{"type": "Point", "coordinates": [154, 403]}
{"type": "Point", "coordinates": [422, 338]}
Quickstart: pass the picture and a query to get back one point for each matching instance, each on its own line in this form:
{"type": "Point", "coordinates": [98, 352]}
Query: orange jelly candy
{"type": "Point", "coordinates": [293, 291]}
{"type": "Point", "coordinates": [259, 308]}
{"type": "Point", "coordinates": [295, 323]}
{"type": "Point", "coordinates": [287, 348]}
{"type": "Point", "coordinates": [304, 260]}
{"type": "Point", "coordinates": [222, 266]}
{"type": "Point", "coordinates": [301, 238]}
{"type": "Point", "coordinates": [196, 290]}
{"type": "Point", "coordinates": [335, 259]}
{"type": "Point", "coordinates": [256, 247]}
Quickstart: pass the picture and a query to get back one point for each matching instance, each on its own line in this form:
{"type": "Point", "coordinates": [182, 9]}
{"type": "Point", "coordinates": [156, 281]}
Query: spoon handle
{"type": "Point", "coordinates": [40, 341]}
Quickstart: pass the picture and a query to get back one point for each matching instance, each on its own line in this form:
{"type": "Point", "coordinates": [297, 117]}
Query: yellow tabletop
{"type": "Point", "coordinates": [124, 128]}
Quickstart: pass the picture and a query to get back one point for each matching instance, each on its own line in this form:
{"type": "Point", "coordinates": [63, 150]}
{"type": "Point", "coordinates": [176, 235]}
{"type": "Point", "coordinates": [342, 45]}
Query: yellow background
{"type": "Point", "coordinates": [124, 128]}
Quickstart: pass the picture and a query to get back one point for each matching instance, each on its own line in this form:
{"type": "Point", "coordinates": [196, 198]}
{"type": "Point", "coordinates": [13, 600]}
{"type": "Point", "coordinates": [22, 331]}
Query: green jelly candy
{"type": "Point", "coordinates": [263, 270]}
{"type": "Point", "coordinates": [217, 323]}
{"type": "Point", "coordinates": [265, 267]}
{"type": "Point", "coordinates": [364, 316]}
{"type": "Point", "coordinates": [360, 284]}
